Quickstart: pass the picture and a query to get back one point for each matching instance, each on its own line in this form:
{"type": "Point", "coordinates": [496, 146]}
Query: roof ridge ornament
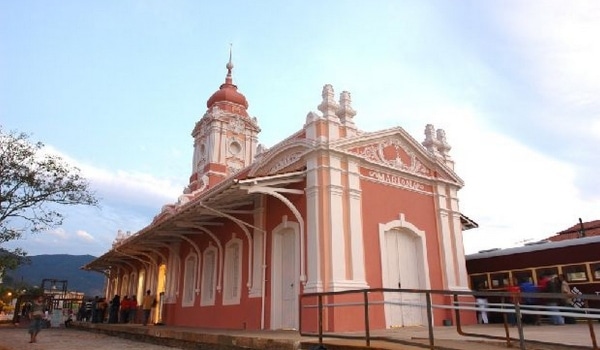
{"type": "Point", "coordinates": [229, 66]}
{"type": "Point", "coordinates": [228, 94]}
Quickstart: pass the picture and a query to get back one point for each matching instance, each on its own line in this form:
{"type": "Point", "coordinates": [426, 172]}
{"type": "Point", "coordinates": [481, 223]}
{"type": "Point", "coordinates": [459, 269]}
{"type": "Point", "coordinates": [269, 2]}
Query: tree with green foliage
{"type": "Point", "coordinates": [34, 184]}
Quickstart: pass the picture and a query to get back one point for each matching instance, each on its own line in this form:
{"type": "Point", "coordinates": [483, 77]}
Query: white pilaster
{"type": "Point", "coordinates": [336, 205]}
{"type": "Point", "coordinates": [355, 224]}
{"type": "Point", "coordinates": [314, 281]}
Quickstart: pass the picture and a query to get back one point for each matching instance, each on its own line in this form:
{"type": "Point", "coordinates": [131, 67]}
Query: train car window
{"type": "Point", "coordinates": [595, 267]}
{"type": "Point", "coordinates": [523, 275]}
{"type": "Point", "coordinates": [499, 280]}
{"type": "Point", "coordinates": [575, 273]}
{"type": "Point", "coordinates": [546, 271]}
{"type": "Point", "coordinates": [479, 282]}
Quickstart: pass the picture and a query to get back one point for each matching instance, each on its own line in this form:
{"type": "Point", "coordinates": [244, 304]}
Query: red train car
{"type": "Point", "coordinates": [577, 259]}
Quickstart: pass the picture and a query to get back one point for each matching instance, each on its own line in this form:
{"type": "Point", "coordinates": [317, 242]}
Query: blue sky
{"type": "Point", "coordinates": [115, 87]}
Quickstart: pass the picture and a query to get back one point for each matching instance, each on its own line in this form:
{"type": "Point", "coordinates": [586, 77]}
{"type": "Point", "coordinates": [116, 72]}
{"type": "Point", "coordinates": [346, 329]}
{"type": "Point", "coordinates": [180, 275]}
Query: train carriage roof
{"type": "Point", "coordinates": [533, 247]}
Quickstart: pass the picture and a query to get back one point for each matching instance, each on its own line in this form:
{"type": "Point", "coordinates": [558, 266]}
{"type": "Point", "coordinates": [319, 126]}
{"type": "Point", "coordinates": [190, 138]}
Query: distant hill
{"type": "Point", "coordinates": [59, 267]}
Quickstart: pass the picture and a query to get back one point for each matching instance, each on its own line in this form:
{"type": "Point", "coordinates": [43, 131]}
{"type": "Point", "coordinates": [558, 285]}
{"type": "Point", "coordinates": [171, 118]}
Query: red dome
{"type": "Point", "coordinates": [227, 92]}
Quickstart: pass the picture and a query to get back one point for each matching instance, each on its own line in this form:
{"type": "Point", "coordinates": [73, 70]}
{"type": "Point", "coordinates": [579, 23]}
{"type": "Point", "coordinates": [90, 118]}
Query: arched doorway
{"type": "Point", "coordinates": [160, 290]}
{"type": "Point", "coordinates": [285, 276]}
{"type": "Point", "coordinates": [404, 265]}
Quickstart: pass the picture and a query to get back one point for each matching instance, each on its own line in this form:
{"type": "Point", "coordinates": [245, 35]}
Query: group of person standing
{"type": "Point", "coordinates": [119, 310]}
{"type": "Point", "coordinates": [556, 285]}
{"type": "Point", "coordinates": [551, 284]}
{"type": "Point", "coordinates": [123, 311]}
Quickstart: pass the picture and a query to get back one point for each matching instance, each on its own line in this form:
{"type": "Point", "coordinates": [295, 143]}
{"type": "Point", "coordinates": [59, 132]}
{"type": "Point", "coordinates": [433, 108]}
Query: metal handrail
{"type": "Point", "coordinates": [512, 307]}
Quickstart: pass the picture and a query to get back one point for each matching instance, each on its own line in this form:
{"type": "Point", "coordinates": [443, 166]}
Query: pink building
{"type": "Point", "coordinates": [329, 208]}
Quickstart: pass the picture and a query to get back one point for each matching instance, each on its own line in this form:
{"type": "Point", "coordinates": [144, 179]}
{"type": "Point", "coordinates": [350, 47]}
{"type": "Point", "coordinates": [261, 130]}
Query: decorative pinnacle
{"type": "Point", "coordinates": [229, 66]}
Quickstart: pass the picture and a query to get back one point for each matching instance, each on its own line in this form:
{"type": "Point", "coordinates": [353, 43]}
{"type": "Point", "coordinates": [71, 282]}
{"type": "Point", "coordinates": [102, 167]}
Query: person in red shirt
{"type": "Point", "coordinates": [124, 312]}
{"type": "Point", "coordinates": [515, 290]}
{"type": "Point", "coordinates": [133, 306]}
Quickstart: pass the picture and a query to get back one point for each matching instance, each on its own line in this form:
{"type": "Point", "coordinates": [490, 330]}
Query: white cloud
{"type": "Point", "coordinates": [126, 186]}
{"type": "Point", "coordinates": [58, 233]}
{"type": "Point", "coordinates": [129, 200]}
{"type": "Point", "coordinates": [595, 128]}
{"type": "Point", "coordinates": [559, 45]}
{"type": "Point", "coordinates": [513, 191]}
{"type": "Point", "coordinates": [84, 236]}
{"type": "Point", "coordinates": [134, 187]}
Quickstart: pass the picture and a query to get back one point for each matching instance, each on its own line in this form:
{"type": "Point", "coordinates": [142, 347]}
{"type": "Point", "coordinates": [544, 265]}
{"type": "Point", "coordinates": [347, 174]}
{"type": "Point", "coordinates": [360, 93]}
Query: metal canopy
{"type": "Point", "coordinates": [228, 200]}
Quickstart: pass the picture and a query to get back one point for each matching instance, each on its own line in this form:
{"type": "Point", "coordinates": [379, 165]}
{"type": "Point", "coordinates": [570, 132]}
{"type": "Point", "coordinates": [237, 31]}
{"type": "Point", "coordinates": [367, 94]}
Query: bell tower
{"type": "Point", "coordinates": [225, 138]}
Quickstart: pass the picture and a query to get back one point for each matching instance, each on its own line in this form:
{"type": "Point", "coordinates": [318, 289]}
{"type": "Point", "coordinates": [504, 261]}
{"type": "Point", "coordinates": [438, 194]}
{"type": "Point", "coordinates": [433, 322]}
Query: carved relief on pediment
{"type": "Point", "coordinates": [393, 153]}
{"type": "Point", "coordinates": [284, 161]}
{"type": "Point", "coordinates": [280, 161]}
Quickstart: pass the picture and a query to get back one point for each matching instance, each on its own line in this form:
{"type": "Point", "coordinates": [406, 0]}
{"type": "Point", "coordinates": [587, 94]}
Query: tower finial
{"type": "Point", "coordinates": [229, 66]}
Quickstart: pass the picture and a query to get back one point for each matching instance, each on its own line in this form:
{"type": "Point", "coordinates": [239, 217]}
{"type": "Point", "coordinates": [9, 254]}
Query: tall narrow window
{"type": "Point", "coordinates": [125, 286]}
{"type": "Point", "coordinates": [189, 280]}
{"type": "Point", "coordinates": [133, 283]}
{"type": "Point", "coordinates": [209, 273]}
{"type": "Point", "coordinates": [173, 285]}
{"type": "Point", "coordinates": [233, 272]}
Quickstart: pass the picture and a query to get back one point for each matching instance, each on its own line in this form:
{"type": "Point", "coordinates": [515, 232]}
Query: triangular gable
{"type": "Point", "coordinates": [285, 157]}
{"type": "Point", "coordinates": [396, 149]}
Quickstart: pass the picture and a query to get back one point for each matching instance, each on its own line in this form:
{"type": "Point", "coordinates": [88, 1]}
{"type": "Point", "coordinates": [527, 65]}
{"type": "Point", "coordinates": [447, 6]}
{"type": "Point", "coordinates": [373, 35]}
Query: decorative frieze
{"type": "Point", "coordinates": [393, 153]}
{"type": "Point", "coordinates": [285, 161]}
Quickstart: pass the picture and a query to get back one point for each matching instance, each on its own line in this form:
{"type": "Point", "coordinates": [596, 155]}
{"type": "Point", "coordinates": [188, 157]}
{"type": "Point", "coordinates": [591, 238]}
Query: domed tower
{"type": "Point", "coordinates": [225, 138]}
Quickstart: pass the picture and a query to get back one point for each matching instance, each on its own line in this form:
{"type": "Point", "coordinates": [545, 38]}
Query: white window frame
{"type": "Point", "coordinates": [133, 283]}
{"type": "Point", "coordinates": [209, 278]}
{"type": "Point", "coordinates": [232, 279]}
{"type": "Point", "coordinates": [189, 280]}
{"type": "Point", "coordinates": [174, 275]}
{"type": "Point", "coordinates": [124, 285]}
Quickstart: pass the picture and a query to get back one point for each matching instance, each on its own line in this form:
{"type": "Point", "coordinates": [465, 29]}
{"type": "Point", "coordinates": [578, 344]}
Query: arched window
{"type": "Point", "coordinates": [209, 276]}
{"type": "Point", "coordinates": [125, 285]}
{"type": "Point", "coordinates": [133, 283]}
{"type": "Point", "coordinates": [189, 280]}
{"type": "Point", "coordinates": [232, 272]}
{"type": "Point", "coordinates": [174, 270]}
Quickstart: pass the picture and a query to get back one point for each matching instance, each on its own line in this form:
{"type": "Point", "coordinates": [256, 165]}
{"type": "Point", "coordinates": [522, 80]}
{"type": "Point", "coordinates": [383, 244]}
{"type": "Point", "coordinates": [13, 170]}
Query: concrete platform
{"type": "Point", "coordinates": [99, 336]}
{"type": "Point", "coordinates": [539, 337]}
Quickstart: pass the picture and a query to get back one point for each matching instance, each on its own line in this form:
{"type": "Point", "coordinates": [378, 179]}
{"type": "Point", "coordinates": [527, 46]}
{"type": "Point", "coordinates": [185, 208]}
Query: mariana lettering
{"type": "Point", "coordinates": [396, 180]}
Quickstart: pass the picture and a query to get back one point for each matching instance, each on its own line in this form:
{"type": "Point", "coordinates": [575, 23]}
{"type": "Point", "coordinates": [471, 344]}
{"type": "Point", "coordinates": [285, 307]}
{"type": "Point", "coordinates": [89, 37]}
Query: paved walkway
{"type": "Point", "coordinates": [105, 336]}
{"type": "Point", "coordinates": [16, 338]}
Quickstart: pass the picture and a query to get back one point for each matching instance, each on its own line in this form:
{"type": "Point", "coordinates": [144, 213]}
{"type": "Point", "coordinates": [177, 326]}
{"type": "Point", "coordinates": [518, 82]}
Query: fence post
{"type": "Point", "coordinates": [429, 319]}
{"type": "Point", "coordinates": [367, 330]}
{"type": "Point", "coordinates": [591, 328]}
{"type": "Point", "coordinates": [519, 322]}
{"type": "Point", "coordinates": [455, 305]}
{"type": "Point", "coordinates": [320, 297]}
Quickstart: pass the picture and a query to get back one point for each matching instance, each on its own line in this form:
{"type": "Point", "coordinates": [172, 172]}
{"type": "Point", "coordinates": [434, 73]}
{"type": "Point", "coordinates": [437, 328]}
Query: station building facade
{"type": "Point", "coordinates": [329, 208]}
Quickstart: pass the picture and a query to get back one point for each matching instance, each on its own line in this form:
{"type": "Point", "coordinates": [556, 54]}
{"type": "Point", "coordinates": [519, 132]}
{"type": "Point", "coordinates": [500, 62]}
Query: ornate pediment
{"type": "Point", "coordinates": [392, 152]}
{"type": "Point", "coordinates": [281, 160]}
